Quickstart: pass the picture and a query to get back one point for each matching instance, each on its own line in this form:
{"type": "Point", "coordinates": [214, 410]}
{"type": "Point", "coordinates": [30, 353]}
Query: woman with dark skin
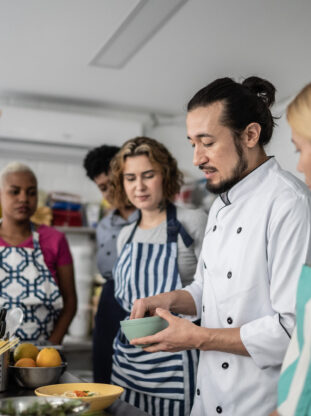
{"type": "Point", "coordinates": [36, 270]}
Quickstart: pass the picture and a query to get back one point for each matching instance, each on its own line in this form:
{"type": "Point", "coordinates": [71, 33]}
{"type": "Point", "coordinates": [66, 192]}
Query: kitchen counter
{"type": "Point", "coordinates": [118, 408]}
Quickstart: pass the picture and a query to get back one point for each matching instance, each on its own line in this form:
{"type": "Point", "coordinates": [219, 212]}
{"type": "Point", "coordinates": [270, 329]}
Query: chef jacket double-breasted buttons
{"type": "Point", "coordinates": [254, 246]}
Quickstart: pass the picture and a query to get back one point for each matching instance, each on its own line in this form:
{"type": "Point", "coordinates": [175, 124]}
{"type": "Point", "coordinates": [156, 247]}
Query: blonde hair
{"type": "Point", "coordinates": [158, 155]}
{"type": "Point", "coordinates": [299, 113]}
{"type": "Point", "coordinates": [14, 167]}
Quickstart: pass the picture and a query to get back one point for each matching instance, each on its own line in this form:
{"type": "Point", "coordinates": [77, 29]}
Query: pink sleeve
{"type": "Point", "coordinates": [55, 248]}
{"type": "Point", "coordinates": [63, 255]}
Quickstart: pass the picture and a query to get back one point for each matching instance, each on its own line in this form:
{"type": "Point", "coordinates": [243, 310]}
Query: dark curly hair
{"type": "Point", "coordinates": [158, 156]}
{"type": "Point", "coordinates": [97, 160]}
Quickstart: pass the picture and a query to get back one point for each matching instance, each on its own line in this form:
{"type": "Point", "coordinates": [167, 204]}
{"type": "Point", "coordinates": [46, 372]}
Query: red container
{"type": "Point", "coordinates": [66, 217]}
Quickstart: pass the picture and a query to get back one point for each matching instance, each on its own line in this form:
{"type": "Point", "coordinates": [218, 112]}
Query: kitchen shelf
{"type": "Point", "coordinates": [76, 230]}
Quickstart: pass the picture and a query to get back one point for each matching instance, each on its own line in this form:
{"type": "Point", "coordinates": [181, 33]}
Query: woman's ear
{"type": "Point", "coordinates": [251, 135]}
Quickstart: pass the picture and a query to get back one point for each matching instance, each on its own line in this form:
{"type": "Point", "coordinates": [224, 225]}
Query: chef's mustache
{"type": "Point", "coordinates": [204, 167]}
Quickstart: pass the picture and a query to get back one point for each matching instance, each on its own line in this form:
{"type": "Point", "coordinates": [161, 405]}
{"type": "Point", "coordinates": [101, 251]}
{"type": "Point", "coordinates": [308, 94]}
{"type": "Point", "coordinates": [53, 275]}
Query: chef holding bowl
{"type": "Point", "coordinates": [257, 237]}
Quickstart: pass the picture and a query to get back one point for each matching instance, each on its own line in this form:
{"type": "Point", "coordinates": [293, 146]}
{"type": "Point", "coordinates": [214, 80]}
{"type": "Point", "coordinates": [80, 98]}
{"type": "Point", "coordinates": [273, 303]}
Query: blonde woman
{"type": "Point", "coordinates": [157, 253]}
{"type": "Point", "coordinates": [294, 389]}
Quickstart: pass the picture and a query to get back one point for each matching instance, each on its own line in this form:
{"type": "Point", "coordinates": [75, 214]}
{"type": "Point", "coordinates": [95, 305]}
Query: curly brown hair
{"type": "Point", "coordinates": [158, 155]}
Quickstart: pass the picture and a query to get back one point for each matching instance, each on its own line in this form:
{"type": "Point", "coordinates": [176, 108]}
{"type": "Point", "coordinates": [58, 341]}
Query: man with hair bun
{"type": "Point", "coordinates": [256, 239]}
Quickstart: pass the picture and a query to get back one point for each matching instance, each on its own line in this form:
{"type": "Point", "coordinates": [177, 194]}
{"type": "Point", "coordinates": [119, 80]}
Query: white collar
{"type": "Point", "coordinates": [249, 183]}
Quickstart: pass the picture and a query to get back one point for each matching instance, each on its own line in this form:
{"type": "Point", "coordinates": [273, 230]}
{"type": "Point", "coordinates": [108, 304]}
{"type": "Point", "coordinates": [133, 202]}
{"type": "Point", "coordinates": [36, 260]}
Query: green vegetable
{"type": "Point", "coordinates": [8, 409]}
{"type": "Point", "coordinates": [41, 409]}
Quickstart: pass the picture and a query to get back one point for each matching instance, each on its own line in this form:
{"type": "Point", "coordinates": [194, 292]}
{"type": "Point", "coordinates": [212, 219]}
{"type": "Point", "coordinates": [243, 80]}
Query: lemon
{"type": "Point", "coordinates": [48, 357]}
{"type": "Point", "coordinates": [25, 350]}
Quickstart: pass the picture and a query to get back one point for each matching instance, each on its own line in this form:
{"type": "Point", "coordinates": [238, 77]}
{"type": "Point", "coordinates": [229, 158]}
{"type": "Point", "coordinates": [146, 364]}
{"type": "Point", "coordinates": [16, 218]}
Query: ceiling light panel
{"type": "Point", "coordinates": [141, 24]}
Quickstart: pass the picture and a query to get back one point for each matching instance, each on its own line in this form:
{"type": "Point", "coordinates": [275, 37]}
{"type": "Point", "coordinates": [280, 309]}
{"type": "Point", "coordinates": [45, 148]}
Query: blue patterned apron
{"type": "Point", "coordinates": [26, 282]}
{"type": "Point", "coordinates": [159, 383]}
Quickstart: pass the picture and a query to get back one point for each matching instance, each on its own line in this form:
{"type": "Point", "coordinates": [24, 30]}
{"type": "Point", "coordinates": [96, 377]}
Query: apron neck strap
{"type": "Point", "coordinates": [174, 227]}
{"type": "Point", "coordinates": [134, 229]}
{"type": "Point", "coordinates": [35, 235]}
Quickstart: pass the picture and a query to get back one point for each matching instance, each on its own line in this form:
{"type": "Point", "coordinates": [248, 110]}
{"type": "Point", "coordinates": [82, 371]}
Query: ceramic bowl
{"type": "Point", "coordinates": [142, 327]}
{"type": "Point", "coordinates": [33, 377]}
{"type": "Point", "coordinates": [106, 394]}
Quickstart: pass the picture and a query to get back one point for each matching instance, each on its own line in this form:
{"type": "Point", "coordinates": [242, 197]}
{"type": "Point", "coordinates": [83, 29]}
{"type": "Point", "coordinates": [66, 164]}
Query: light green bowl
{"type": "Point", "coordinates": [137, 328]}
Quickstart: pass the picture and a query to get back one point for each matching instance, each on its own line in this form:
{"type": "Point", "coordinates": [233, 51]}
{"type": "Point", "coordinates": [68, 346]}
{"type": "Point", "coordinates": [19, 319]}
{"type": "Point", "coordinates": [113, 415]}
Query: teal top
{"type": "Point", "coordinates": [294, 388]}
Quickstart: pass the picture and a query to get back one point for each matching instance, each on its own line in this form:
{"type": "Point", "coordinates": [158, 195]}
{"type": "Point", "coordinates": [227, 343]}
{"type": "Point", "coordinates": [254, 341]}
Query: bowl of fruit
{"type": "Point", "coordinates": [35, 367]}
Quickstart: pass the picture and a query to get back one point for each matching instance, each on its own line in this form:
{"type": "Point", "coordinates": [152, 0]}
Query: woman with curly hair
{"type": "Point", "coordinates": [158, 253]}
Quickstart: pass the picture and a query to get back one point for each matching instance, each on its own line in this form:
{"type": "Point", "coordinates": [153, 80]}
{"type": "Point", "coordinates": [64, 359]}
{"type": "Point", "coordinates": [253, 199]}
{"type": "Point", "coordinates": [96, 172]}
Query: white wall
{"type": "Point", "coordinates": [60, 169]}
{"type": "Point", "coordinates": [53, 139]}
{"type": "Point", "coordinates": [59, 176]}
{"type": "Point", "coordinates": [174, 137]}
{"type": "Point", "coordinates": [281, 145]}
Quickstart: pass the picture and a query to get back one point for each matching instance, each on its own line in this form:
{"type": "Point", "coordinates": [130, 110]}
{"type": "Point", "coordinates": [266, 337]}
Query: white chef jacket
{"type": "Point", "coordinates": [257, 237]}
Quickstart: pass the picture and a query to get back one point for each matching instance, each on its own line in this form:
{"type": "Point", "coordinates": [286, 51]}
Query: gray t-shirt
{"type": "Point", "coordinates": [107, 233]}
{"type": "Point", "coordinates": [194, 222]}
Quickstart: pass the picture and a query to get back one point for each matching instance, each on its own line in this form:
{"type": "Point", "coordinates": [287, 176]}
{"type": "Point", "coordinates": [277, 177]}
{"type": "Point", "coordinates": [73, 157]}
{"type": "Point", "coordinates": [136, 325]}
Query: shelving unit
{"type": "Point", "coordinates": [76, 230]}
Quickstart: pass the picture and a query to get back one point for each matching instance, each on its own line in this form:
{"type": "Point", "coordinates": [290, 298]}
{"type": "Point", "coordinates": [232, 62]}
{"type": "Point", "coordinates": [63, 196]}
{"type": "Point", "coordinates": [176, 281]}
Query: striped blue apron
{"type": "Point", "coordinates": [27, 283]}
{"type": "Point", "coordinates": [159, 383]}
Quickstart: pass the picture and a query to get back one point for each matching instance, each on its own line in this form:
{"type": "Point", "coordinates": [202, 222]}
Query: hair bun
{"type": "Point", "coordinates": [262, 88]}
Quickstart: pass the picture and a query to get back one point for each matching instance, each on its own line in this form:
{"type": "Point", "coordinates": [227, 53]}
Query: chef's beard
{"type": "Point", "coordinates": [237, 172]}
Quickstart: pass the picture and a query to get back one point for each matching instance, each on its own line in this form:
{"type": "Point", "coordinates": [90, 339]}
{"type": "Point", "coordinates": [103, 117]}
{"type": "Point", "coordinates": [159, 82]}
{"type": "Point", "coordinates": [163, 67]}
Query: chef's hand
{"type": "Point", "coordinates": [147, 306]}
{"type": "Point", "coordinates": [180, 335]}
{"type": "Point", "coordinates": [275, 413]}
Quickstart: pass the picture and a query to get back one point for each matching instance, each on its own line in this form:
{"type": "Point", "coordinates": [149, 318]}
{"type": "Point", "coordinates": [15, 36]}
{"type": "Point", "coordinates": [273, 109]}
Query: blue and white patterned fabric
{"type": "Point", "coordinates": [159, 383]}
{"type": "Point", "coordinates": [26, 282]}
{"type": "Point", "coordinates": [294, 389]}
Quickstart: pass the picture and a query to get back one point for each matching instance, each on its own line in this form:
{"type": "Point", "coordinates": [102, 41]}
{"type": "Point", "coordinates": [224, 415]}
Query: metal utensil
{"type": "Point", "coordinates": [2, 322]}
{"type": "Point", "coordinates": [14, 318]}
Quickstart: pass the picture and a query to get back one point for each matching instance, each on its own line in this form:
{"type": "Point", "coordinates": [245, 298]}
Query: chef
{"type": "Point", "coordinates": [257, 237]}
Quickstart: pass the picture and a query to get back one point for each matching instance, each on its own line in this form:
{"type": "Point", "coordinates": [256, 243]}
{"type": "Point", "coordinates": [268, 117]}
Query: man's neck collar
{"type": "Point", "coordinates": [226, 197]}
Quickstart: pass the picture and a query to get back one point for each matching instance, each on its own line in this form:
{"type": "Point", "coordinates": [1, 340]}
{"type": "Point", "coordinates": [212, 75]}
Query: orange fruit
{"type": "Point", "coordinates": [48, 357]}
{"type": "Point", "coordinates": [25, 362]}
{"type": "Point", "coordinates": [25, 350]}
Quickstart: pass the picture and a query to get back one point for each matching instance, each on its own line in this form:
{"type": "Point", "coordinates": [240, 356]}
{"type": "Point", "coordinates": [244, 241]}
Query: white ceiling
{"type": "Point", "coordinates": [46, 47]}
